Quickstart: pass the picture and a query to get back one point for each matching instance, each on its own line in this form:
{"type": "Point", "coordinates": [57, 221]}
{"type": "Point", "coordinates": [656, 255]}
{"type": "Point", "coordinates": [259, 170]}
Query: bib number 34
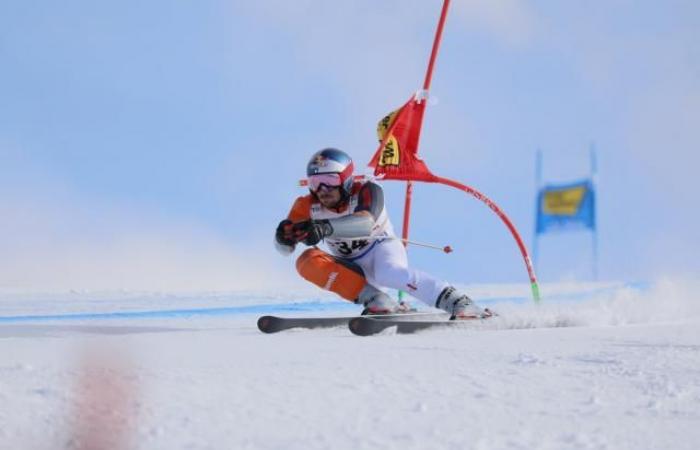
{"type": "Point", "coordinates": [348, 248]}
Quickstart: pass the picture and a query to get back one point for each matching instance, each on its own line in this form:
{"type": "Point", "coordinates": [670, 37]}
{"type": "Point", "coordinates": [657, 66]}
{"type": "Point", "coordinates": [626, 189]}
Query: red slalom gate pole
{"type": "Point", "coordinates": [406, 221]}
{"type": "Point", "coordinates": [407, 210]}
{"type": "Point", "coordinates": [426, 87]}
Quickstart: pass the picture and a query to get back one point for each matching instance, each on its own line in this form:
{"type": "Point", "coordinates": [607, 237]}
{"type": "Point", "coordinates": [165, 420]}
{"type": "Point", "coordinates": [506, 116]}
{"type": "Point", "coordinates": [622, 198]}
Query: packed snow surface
{"type": "Point", "coordinates": [595, 366]}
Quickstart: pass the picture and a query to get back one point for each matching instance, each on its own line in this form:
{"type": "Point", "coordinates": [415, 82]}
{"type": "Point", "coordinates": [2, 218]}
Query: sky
{"type": "Point", "coordinates": [156, 145]}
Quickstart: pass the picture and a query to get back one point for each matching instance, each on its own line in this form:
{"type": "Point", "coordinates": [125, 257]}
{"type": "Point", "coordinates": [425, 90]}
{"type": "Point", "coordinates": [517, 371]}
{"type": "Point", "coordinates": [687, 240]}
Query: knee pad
{"type": "Point", "coordinates": [325, 271]}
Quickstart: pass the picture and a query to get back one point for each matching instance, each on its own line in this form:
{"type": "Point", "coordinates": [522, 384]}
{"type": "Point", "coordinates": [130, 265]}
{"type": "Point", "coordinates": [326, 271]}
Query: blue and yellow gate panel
{"type": "Point", "coordinates": [565, 207]}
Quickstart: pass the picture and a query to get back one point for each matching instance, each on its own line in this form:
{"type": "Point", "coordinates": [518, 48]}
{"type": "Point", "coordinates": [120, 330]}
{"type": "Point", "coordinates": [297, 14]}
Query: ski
{"type": "Point", "coordinates": [368, 326]}
{"type": "Point", "coordinates": [275, 324]}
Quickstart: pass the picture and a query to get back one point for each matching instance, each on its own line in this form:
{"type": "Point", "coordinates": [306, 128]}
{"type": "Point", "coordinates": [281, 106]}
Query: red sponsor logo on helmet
{"type": "Point", "coordinates": [320, 160]}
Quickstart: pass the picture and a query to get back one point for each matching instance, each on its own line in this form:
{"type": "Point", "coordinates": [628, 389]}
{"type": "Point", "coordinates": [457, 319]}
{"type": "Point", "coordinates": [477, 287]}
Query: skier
{"type": "Point", "coordinates": [365, 254]}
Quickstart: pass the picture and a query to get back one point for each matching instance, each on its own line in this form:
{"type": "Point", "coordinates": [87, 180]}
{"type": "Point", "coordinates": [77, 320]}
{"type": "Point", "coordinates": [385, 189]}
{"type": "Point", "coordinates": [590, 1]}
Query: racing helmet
{"type": "Point", "coordinates": [331, 167]}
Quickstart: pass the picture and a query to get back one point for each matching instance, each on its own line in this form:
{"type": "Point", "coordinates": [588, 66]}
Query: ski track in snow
{"type": "Point", "coordinates": [593, 367]}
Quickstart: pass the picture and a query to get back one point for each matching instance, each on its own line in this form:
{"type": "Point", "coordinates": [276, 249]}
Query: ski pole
{"type": "Point", "coordinates": [446, 249]}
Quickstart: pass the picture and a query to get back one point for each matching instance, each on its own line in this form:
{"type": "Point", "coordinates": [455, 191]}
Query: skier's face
{"type": "Point", "coordinates": [328, 196]}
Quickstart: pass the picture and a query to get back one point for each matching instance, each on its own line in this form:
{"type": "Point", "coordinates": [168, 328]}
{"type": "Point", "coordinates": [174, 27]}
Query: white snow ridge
{"type": "Point", "coordinates": [613, 366]}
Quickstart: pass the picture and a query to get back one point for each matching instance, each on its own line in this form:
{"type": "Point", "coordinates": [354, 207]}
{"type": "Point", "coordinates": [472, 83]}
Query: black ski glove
{"type": "Point", "coordinates": [285, 233]}
{"type": "Point", "coordinates": [311, 232]}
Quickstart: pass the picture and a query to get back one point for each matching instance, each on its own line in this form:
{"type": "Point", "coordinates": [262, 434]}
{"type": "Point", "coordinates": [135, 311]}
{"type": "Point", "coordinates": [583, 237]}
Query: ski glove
{"type": "Point", "coordinates": [285, 233]}
{"type": "Point", "coordinates": [311, 232]}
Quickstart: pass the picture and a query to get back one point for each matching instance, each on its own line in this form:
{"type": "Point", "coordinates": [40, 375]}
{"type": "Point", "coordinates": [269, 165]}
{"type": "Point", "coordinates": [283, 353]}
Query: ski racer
{"type": "Point", "coordinates": [364, 254]}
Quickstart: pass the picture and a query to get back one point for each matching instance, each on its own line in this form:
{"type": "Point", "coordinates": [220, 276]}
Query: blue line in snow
{"type": "Point", "coordinates": [180, 313]}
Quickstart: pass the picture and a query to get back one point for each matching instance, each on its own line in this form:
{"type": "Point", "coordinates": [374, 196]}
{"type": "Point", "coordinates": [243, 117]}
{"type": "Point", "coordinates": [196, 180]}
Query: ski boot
{"type": "Point", "coordinates": [459, 305]}
{"type": "Point", "coordinates": [377, 302]}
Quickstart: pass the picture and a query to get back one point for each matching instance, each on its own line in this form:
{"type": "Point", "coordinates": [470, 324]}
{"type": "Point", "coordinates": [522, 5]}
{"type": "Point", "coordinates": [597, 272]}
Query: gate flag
{"type": "Point", "coordinates": [566, 207]}
{"type": "Point", "coordinates": [397, 156]}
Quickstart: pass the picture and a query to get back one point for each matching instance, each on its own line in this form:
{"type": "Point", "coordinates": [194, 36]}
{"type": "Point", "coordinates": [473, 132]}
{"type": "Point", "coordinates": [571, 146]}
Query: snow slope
{"type": "Point", "coordinates": [613, 366]}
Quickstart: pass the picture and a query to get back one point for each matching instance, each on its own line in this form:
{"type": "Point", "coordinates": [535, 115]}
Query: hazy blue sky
{"type": "Point", "coordinates": [157, 144]}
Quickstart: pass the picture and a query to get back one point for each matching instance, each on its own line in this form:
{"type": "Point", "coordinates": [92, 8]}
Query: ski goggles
{"type": "Point", "coordinates": [329, 180]}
